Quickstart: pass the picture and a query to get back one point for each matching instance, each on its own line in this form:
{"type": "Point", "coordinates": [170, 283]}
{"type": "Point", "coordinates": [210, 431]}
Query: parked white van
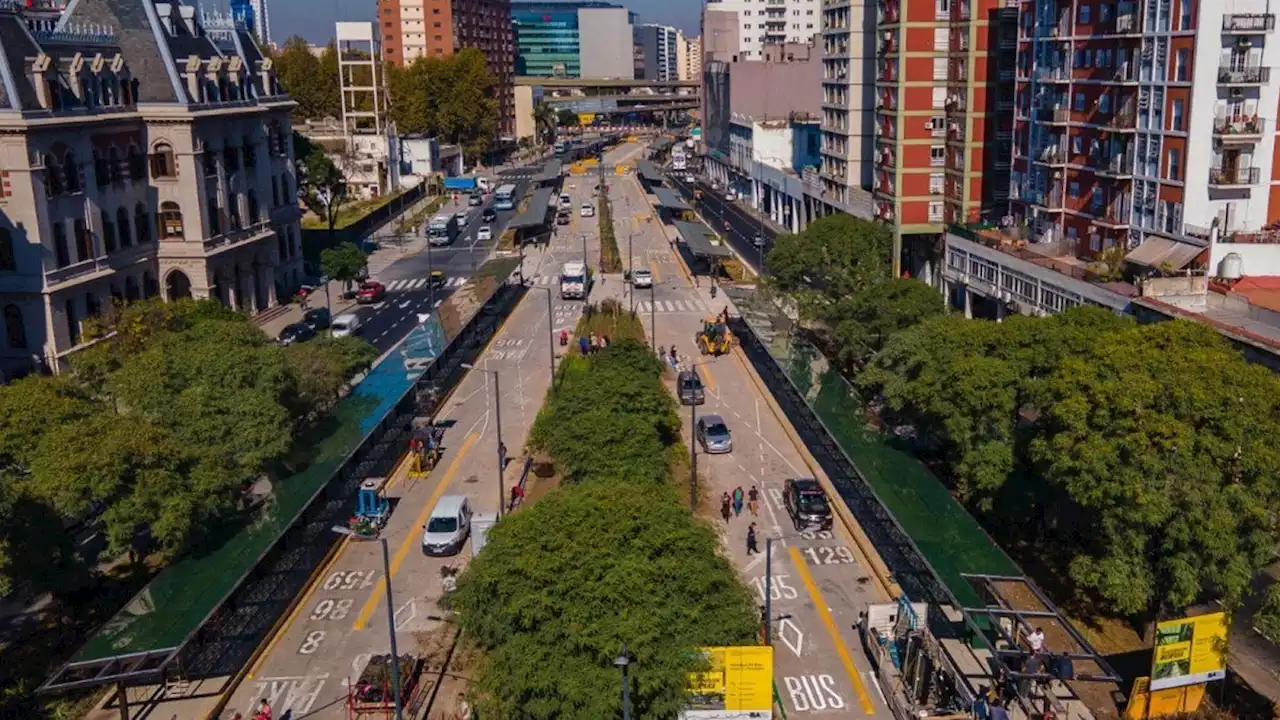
{"type": "Point", "coordinates": [345, 324]}
{"type": "Point", "coordinates": [449, 526]}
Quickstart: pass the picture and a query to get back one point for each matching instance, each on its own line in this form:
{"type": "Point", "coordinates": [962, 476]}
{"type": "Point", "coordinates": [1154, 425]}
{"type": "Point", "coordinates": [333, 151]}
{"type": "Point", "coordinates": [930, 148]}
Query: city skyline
{"type": "Point", "coordinates": [314, 21]}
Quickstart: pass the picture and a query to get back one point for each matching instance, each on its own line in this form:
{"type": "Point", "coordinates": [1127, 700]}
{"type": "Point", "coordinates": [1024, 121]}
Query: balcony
{"type": "Point", "coordinates": [1250, 75]}
{"type": "Point", "coordinates": [1245, 130]}
{"type": "Point", "coordinates": [1126, 24]}
{"type": "Point", "coordinates": [1123, 120]}
{"type": "Point", "coordinates": [235, 238]}
{"type": "Point", "coordinates": [1049, 200]}
{"type": "Point", "coordinates": [1051, 155]}
{"type": "Point", "coordinates": [1233, 177]}
{"type": "Point", "coordinates": [1117, 167]}
{"type": "Point", "coordinates": [1248, 24]}
{"type": "Point", "coordinates": [94, 268]}
{"type": "Point", "coordinates": [1054, 116]}
{"type": "Point", "coordinates": [1053, 74]}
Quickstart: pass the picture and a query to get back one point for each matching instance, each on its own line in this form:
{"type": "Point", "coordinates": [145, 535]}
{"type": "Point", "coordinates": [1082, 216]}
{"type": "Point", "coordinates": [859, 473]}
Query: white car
{"type": "Point", "coordinates": [588, 210]}
{"type": "Point", "coordinates": [484, 233]}
{"type": "Point", "coordinates": [345, 325]}
{"type": "Point", "coordinates": [462, 218]}
{"type": "Point", "coordinates": [641, 278]}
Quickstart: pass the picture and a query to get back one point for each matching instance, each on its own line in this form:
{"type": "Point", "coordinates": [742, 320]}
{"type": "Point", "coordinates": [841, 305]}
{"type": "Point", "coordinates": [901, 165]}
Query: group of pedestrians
{"type": "Point", "coordinates": [731, 505]}
{"type": "Point", "coordinates": [592, 344]}
{"type": "Point", "coordinates": [670, 357]}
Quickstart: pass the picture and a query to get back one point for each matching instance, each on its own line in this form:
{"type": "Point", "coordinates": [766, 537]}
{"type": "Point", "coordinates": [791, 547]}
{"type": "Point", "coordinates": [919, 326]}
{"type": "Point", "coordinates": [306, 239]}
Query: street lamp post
{"type": "Point", "coordinates": [551, 334]}
{"type": "Point", "coordinates": [497, 410]}
{"type": "Point", "coordinates": [630, 270]}
{"type": "Point", "coordinates": [768, 588]}
{"type": "Point", "coordinates": [653, 330]}
{"type": "Point", "coordinates": [693, 457]}
{"type": "Point", "coordinates": [622, 662]}
{"type": "Point", "coordinates": [391, 611]}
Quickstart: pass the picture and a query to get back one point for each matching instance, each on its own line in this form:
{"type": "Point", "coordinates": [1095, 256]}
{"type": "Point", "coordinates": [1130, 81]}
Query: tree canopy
{"type": "Point", "coordinates": [310, 80]}
{"type": "Point", "coordinates": [453, 98]}
{"type": "Point", "coordinates": [345, 262]}
{"type": "Point", "coordinates": [154, 433]}
{"type": "Point", "coordinates": [322, 184]}
{"type": "Point", "coordinates": [611, 557]}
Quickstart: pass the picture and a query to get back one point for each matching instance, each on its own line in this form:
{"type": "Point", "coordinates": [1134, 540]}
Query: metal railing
{"type": "Point", "coordinates": [1253, 75]}
{"type": "Point", "coordinates": [1249, 23]}
{"type": "Point", "coordinates": [238, 236]}
{"type": "Point", "coordinates": [1234, 175]}
{"type": "Point", "coordinates": [1252, 125]}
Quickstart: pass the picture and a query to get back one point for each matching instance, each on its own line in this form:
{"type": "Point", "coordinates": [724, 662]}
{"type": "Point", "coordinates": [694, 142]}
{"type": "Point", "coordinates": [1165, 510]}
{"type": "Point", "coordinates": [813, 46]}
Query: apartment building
{"type": "Point", "coordinates": [656, 53]}
{"type": "Point", "coordinates": [944, 70]}
{"type": "Point", "coordinates": [848, 135]}
{"type": "Point", "coordinates": [767, 22]}
{"type": "Point", "coordinates": [439, 28]}
{"type": "Point", "coordinates": [144, 151]}
{"type": "Point", "coordinates": [1144, 125]}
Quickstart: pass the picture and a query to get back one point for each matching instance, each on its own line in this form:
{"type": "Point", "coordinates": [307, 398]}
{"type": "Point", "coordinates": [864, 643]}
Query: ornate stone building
{"type": "Point", "coordinates": [143, 151]}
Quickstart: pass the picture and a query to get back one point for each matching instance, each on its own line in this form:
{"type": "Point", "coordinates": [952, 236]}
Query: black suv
{"type": "Point", "coordinates": [806, 504]}
{"type": "Point", "coordinates": [295, 333]}
{"type": "Point", "coordinates": [689, 388]}
{"type": "Point", "coordinates": [489, 215]}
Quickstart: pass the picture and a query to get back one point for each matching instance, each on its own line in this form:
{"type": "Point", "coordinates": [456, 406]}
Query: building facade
{"type": "Point", "coordinates": [440, 28]}
{"type": "Point", "coordinates": [1141, 125]}
{"type": "Point", "coordinates": [128, 174]}
{"type": "Point", "coordinates": [767, 23]}
{"type": "Point", "coordinates": [688, 57]}
{"type": "Point", "coordinates": [848, 95]}
{"type": "Point", "coordinates": [656, 47]}
{"type": "Point", "coordinates": [942, 141]}
{"type": "Point", "coordinates": [254, 16]}
{"type": "Point", "coordinates": [573, 39]}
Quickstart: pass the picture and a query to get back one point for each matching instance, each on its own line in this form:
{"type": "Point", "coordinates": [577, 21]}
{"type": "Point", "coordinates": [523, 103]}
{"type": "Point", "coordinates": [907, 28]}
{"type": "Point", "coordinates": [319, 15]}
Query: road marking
{"type": "Point", "coordinates": [411, 539]}
{"type": "Point", "coordinates": [657, 276]}
{"type": "Point", "coordinates": [824, 613]}
{"type": "Point", "coordinates": [708, 378]}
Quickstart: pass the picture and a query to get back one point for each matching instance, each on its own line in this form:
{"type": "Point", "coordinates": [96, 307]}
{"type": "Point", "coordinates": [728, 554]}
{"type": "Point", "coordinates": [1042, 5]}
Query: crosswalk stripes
{"type": "Point", "coordinates": [667, 306]}
{"type": "Point", "coordinates": [420, 283]}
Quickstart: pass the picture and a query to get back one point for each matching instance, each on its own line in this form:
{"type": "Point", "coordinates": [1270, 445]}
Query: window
{"type": "Point", "coordinates": [936, 183]}
{"type": "Point", "coordinates": [122, 226]}
{"type": "Point", "coordinates": [115, 167]}
{"type": "Point", "coordinates": [935, 212]}
{"type": "Point", "coordinates": [8, 263]}
{"type": "Point", "coordinates": [253, 207]}
{"type": "Point", "coordinates": [1175, 164]}
{"type": "Point", "coordinates": [73, 326]}
{"type": "Point", "coordinates": [141, 221]}
{"type": "Point", "coordinates": [84, 240]}
{"type": "Point", "coordinates": [61, 250]}
{"type": "Point", "coordinates": [1184, 20]}
{"type": "Point", "coordinates": [1180, 70]}
{"type": "Point", "coordinates": [52, 177]}
{"type": "Point", "coordinates": [71, 172]}
{"type": "Point", "coordinates": [937, 153]}
{"type": "Point", "coordinates": [1104, 12]}
{"type": "Point", "coordinates": [137, 164]}
{"type": "Point", "coordinates": [1078, 102]}
{"type": "Point", "coordinates": [1104, 102]}
{"type": "Point", "coordinates": [171, 221]}
{"type": "Point", "coordinates": [275, 192]}
{"type": "Point", "coordinates": [1077, 144]}
{"type": "Point", "coordinates": [250, 158]}
{"type": "Point", "coordinates": [1175, 122]}
{"type": "Point", "coordinates": [1085, 11]}
{"type": "Point", "coordinates": [108, 232]}
{"type": "Point", "coordinates": [101, 175]}
{"type": "Point", "coordinates": [1073, 190]}
{"type": "Point", "coordinates": [92, 308]}
{"type": "Point", "coordinates": [14, 328]}
{"type": "Point", "coordinates": [1095, 242]}
{"type": "Point", "coordinates": [162, 162]}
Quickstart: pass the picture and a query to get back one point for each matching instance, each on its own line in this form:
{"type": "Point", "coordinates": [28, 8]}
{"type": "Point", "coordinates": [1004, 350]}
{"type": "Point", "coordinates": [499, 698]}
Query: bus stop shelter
{"type": "Point", "coordinates": [703, 247]}
{"type": "Point", "coordinates": [549, 175]}
{"type": "Point", "coordinates": [670, 205]}
{"type": "Point", "coordinates": [650, 175]}
{"type": "Point", "coordinates": [533, 224]}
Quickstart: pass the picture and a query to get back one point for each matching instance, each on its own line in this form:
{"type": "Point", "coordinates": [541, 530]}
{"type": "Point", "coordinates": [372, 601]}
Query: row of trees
{"type": "Point", "coordinates": [1138, 460]}
{"type": "Point", "coordinates": [611, 557]}
{"type": "Point", "coordinates": [155, 435]}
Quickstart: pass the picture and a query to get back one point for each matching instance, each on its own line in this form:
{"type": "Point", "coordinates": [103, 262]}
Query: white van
{"type": "Point", "coordinates": [448, 527]}
{"type": "Point", "coordinates": [345, 324]}
{"type": "Point", "coordinates": [566, 202]}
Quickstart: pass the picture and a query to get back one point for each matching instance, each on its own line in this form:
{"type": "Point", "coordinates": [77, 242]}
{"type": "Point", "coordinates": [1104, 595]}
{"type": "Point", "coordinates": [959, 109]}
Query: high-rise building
{"type": "Point", "coordinates": [1141, 125]}
{"type": "Point", "coordinates": [439, 28]}
{"type": "Point", "coordinates": [254, 16]}
{"type": "Point", "coordinates": [941, 140]}
{"type": "Point", "coordinates": [767, 23]}
{"type": "Point", "coordinates": [848, 136]}
{"type": "Point", "coordinates": [688, 57]}
{"type": "Point", "coordinates": [573, 39]}
{"type": "Point", "coordinates": [146, 154]}
{"type": "Point", "coordinates": [656, 49]}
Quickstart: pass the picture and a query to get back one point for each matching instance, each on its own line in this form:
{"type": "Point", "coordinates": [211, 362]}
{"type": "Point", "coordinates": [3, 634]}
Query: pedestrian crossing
{"type": "Point", "coordinates": [421, 283]}
{"type": "Point", "coordinates": [667, 306]}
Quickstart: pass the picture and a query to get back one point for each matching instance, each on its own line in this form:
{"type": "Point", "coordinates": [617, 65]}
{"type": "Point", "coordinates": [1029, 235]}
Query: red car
{"type": "Point", "coordinates": [371, 292]}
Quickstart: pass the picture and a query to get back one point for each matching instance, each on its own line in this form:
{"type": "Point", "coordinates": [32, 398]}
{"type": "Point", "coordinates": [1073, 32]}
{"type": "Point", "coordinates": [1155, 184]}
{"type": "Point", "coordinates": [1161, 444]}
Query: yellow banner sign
{"type": "Point", "coordinates": [738, 679]}
{"type": "Point", "coordinates": [1145, 703]}
{"type": "Point", "coordinates": [1189, 651]}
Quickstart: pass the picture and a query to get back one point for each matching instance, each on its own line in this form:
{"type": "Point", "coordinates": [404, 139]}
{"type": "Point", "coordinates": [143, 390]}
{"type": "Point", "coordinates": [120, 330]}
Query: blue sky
{"type": "Point", "coordinates": [313, 19]}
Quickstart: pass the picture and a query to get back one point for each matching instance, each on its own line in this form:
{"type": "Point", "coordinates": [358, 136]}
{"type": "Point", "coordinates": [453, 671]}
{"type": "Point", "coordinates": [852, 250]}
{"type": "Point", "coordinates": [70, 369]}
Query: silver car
{"type": "Point", "coordinates": [714, 435]}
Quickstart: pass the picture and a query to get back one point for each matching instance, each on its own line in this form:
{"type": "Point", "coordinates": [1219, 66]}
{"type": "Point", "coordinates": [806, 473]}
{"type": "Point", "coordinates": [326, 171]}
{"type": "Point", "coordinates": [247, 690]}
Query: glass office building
{"type": "Point", "coordinates": [547, 39]}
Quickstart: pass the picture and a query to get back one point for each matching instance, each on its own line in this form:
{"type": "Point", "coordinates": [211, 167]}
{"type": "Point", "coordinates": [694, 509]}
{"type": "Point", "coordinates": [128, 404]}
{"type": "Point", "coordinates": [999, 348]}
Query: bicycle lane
{"type": "Point", "coordinates": [342, 620]}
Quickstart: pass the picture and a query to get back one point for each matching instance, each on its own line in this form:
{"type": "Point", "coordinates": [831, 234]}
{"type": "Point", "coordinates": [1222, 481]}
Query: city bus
{"type": "Point", "coordinates": [678, 159]}
{"type": "Point", "coordinates": [504, 198]}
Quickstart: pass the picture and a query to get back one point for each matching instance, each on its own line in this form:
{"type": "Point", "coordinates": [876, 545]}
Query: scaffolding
{"type": "Point", "coordinates": [372, 148]}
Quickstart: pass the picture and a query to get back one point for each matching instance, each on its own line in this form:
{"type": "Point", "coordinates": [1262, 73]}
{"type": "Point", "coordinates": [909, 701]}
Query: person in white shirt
{"type": "Point", "coordinates": [1036, 640]}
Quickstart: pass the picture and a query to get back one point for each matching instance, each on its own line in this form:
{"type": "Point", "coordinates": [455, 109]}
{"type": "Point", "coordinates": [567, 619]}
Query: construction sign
{"type": "Point", "coordinates": [739, 680]}
{"type": "Point", "coordinates": [1146, 703]}
{"type": "Point", "coordinates": [1190, 651]}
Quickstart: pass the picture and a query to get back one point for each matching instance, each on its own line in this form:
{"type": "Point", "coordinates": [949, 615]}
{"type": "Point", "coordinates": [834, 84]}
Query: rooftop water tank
{"type": "Point", "coordinates": [1231, 267]}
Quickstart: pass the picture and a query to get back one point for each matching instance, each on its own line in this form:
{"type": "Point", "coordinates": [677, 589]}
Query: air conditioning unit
{"type": "Point", "coordinates": [928, 124]}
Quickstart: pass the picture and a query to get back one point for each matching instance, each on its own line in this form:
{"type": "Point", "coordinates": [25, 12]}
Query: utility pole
{"type": "Point", "coordinates": [693, 458]}
{"type": "Point", "coordinates": [768, 591]}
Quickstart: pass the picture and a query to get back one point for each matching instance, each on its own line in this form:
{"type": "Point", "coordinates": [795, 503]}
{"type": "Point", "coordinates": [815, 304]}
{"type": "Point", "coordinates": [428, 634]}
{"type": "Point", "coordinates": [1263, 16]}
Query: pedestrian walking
{"type": "Point", "coordinates": [752, 548]}
{"type": "Point", "coordinates": [583, 347]}
{"type": "Point", "coordinates": [662, 353]}
{"type": "Point", "coordinates": [753, 501]}
{"type": "Point", "coordinates": [1036, 640]}
{"type": "Point", "coordinates": [264, 710]}
{"type": "Point", "coordinates": [595, 343]}
{"type": "Point", "coordinates": [997, 710]}
{"type": "Point", "coordinates": [725, 507]}
{"type": "Point", "coordinates": [517, 495]}
{"type": "Point", "coordinates": [604, 341]}
{"type": "Point", "coordinates": [737, 501]}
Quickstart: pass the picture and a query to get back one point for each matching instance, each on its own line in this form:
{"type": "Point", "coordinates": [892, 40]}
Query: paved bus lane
{"type": "Point", "coordinates": [342, 620]}
{"type": "Point", "coordinates": [820, 580]}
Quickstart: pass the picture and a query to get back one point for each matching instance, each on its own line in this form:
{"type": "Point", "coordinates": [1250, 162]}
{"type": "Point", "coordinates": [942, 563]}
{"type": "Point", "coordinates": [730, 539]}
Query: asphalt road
{"type": "Point", "coordinates": [742, 227]}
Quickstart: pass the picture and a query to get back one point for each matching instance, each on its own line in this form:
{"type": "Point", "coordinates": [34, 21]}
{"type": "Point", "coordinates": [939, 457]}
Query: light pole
{"type": "Point", "coordinates": [391, 610]}
{"type": "Point", "coordinates": [497, 410]}
{"type": "Point", "coordinates": [622, 662]}
{"type": "Point", "coordinates": [653, 330]}
{"type": "Point", "coordinates": [631, 270]}
{"type": "Point", "coordinates": [768, 589]}
{"type": "Point", "coordinates": [551, 334]}
{"type": "Point", "coordinates": [693, 457]}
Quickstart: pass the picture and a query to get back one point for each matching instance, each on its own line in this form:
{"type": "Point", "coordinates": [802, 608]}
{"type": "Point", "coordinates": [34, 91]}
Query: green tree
{"type": "Point", "coordinates": [323, 185]}
{"type": "Point", "coordinates": [545, 119]}
{"type": "Point", "coordinates": [311, 81]}
{"type": "Point", "coordinates": [345, 263]}
{"type": "Point", "coordinates": [862, 323]}
{"type": "Point", "coordinates": [835, 257]}
{"type": "Point", "coordinates": [567, 118]}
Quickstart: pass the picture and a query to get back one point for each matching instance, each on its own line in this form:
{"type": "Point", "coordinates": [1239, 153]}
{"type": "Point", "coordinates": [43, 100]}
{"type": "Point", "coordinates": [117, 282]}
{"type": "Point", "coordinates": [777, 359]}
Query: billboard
{"type": "Point", "coordinates": [738, 684]}
{"type": "Point", "coordinates": [1145, 703]}
{"type": "Point", "coordinates": [1189, 651]}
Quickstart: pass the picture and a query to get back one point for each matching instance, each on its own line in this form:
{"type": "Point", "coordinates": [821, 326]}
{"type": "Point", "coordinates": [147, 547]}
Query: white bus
{"type": "Point", "coordinates": [678, 159]}
{"type": "Point", "coordinates": [505, 198]}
